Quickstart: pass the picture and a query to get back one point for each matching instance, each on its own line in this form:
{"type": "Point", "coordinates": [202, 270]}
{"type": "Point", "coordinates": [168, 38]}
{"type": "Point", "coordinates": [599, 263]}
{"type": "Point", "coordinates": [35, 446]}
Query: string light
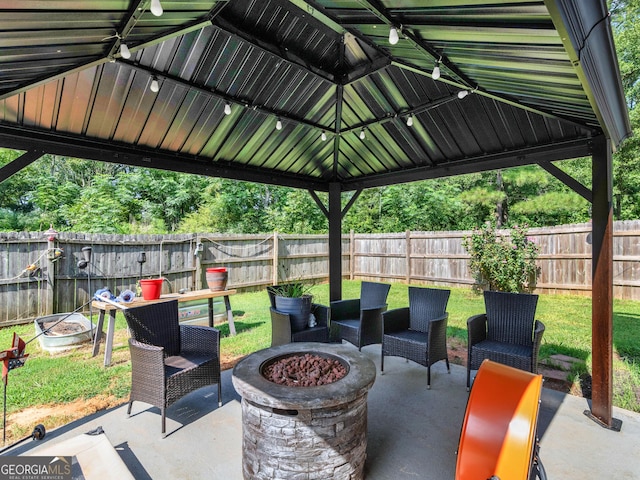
{"type": "Point", "coordinates": [462, 94]}
{"type": "Point", "coordinates": [156, 8]}
{"type": "Point", "coordinates": [393, 36]}
{"type": "Point", "coordinates": [362, 134]}
{"type": "Point", "coordinates": [410, 121]}
{"type": "Point", "coordinates": [436, 71]}
{"type": "Point", "coordinates": [323, 137]}
{"type": "Point", "coordinates": [227, 108]}
{"type": "Point", "coordinates": [155, 86]}
{"type": "Point", "coordinates": [278, 124]}
{"type": "Point", "coordinates": [124, 51]}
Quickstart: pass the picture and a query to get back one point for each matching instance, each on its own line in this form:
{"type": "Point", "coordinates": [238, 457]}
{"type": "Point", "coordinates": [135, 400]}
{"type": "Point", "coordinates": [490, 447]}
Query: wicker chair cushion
{"type": "Point", "coordinates": [180, 363]}
{"type": "Point", "coordinates": [510, 317]}
{"type": "Point", "coordinates": [407, 336]}
{"type": "Point", "coordinates": [352, 324]}
{"type": "Point", "coordinates": [518, 356]}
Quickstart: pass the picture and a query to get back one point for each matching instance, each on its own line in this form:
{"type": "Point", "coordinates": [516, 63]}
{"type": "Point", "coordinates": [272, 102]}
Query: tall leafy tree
{"type": "Point", "coordinates": [107, 205]}
{"type": "Point", "coordinates": [295, 211]}
{"type": "Point", "coordinates": [626, 27]}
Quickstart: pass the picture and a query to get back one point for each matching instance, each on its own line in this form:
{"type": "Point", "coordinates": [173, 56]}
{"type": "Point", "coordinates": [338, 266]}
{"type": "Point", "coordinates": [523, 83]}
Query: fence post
{"type": "Point", "coordinates": [408, 257]}
{"type": "Point", "coordinates": [351, 253]}
{"type": "Point", "coordinates": [274, 279]}
{"type": "Point", "coordinates": [198, 273]}
{"type": "Point", "coordinates": [51, 274]}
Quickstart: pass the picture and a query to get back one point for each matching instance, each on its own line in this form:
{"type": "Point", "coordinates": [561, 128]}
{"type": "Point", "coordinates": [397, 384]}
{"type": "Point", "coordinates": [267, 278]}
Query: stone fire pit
{"type": "Point", "coordinates": [317, 432]}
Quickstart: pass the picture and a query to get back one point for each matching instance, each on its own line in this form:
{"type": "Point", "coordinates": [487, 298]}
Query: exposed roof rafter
{"type": "Point", "coordinates": [464, 81]}
{"type": "Point", "coordinates": [223, 96]}
{"type": "Point", "coordinates": [525, 156]}
{"type": "Point", "coordinates": [272, 49]}
{"type": "Point", "coordinates": [412, 111]}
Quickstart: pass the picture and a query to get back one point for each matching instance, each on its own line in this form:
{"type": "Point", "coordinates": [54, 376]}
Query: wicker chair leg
{"type": "Point", "coordinates": [448, 369]}
{"type": "Point", "coordinates": [129, 408]}
{"type": "Point", "coordinates": [220, 393]}
{"type": "Point", "coordinates": [164, 422]}
{"type": "Point", "coordinates": [468, 376]}
{"type": "Point", "coordinates": [429, 377]}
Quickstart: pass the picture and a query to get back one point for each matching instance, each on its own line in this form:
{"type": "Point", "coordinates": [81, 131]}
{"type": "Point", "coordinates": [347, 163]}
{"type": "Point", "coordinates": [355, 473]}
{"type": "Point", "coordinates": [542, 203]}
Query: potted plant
{"type": "Point", "coordinates": [295, 300]}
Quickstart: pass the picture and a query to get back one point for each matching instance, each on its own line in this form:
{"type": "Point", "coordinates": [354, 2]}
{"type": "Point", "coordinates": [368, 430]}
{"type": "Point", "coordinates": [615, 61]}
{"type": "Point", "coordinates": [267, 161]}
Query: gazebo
{"type": "Point", "coordinates": [325, 95]}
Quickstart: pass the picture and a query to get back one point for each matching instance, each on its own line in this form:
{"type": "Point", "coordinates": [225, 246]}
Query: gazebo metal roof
{"type": "Point", "coordinates": [543, 78]}
{"type": "Point", "coordinates": [540, 83]}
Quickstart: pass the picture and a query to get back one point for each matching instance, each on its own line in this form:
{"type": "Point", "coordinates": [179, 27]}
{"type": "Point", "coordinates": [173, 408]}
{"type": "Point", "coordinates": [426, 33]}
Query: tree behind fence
{"type": "Point", "coordinates": [58, 284]}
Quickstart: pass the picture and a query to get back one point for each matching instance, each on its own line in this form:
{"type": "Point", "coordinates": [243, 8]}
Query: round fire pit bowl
{"type": "Point", "coordinates": [317, 432]}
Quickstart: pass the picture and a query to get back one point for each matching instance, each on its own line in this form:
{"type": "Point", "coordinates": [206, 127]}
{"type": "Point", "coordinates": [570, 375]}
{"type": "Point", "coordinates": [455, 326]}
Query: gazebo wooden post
{"type": "Point", "coordinates": [602, 286]}
{"type": "Point", "coordinates": [335, 242]}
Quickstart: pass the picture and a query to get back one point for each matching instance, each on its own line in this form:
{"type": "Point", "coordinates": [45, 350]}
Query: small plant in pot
{"type": "Point", "coordinates": [293, 299]}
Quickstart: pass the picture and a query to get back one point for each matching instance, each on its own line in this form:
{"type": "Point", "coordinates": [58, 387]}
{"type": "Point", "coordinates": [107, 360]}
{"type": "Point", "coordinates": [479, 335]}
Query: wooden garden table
{"type": "Point", "coordinates": [104, 307]}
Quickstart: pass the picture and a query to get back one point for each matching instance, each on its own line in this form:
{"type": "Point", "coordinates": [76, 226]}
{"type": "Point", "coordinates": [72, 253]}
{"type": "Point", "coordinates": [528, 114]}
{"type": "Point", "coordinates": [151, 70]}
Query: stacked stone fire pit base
{"type": "Point", "coordinates": [315, 432]}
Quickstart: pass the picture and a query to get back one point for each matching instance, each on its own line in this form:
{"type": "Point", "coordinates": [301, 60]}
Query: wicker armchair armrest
{"type": "Point", "coordinates": [345, 309]}
{"type": "Point", "coordinates": [322, 313]}
{"type": "Point", "coordinates": [537, 333]}
{"type": "Point", "coordinates": [395, 320]}
{"type": "Point", "coordinates": [438, 327]}
{"type": "Point", "coordinates": [280, 328]}
{"type": "Point", "coordinates": [371, 324]}
{"type": "Point", "coordinates": [199, 339]}
{"type": "Point", "coordinates": [148, 361]}
{"type": "Point", "coordinates": [537, 341]}
{"type": "Point", "coordinates": [477, 329]}
{"type": "Point", "coordinates": [372, 312]}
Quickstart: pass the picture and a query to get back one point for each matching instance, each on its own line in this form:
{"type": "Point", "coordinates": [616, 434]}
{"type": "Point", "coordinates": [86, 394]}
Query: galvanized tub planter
{"type": "Point", "coordinates": [71, 332]}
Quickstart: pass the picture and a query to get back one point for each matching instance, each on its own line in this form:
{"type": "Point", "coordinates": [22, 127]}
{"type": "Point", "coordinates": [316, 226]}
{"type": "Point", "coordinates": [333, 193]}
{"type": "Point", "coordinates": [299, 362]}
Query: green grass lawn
{"type": "Point", "coordinates": [48, 379]}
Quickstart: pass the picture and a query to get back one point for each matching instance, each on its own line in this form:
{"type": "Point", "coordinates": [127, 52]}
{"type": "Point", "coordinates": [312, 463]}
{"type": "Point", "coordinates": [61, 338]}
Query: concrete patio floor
{"type": "Point", "coordinates": [412, 432]}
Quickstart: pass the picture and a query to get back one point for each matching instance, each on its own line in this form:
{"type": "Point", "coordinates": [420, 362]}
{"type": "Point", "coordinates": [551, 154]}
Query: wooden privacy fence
{"type": "Point", "coordinates": [39, 276]}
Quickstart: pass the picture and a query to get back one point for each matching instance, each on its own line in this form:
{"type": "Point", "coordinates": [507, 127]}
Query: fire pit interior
{"type": "Point", "coordinates": [304, 369]}
{"type": "Point", "coordinates": [296, 431]}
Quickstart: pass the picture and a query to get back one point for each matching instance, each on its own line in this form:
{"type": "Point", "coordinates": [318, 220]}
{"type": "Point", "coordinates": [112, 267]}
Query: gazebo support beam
{"type": "Point", "coordinates": [335, 242]}
{"type": "Point", "coordinates": [602, 286]}
{"type": "Point", "coordinates": [19, 163]}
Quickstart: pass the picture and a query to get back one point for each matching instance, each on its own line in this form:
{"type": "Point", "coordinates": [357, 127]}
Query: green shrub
{"type": "Point", "coordinates": [503, 261]}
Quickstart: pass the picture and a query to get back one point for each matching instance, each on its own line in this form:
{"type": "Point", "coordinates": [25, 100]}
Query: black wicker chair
{"type": "Point", "coordinates": [281, 331]}
{"type": "Point", "coordinates": [359, 320]}
{"type": "Point", "coordinates": [418, 332]}
{"type": "Point", "coordinates": [169, 360]}
{"type": "Point", "coordinates": [508, 333]}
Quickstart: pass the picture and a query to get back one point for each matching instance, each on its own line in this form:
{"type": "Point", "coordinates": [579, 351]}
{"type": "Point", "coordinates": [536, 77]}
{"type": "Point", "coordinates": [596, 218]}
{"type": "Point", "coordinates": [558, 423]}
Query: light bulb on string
{"type": "Point", "coordinates": [155, 86]}
{"type": "Point", "coordinates": [410, 121]}
{"type": "Point", "coordinates": [436, 71]}
{"type": "Point", "coordinates": [393, 36]}
{"type": "Point", "coordinates": [462, 94]}
{"type": "Point", "coordinates": [362, 134]}
{"type": "Point", "coordinates": [156, 8]}
{"type": "Point", "coordinates": [323, 137]}
{"type": "Point", "coordinates": [278, 124]}
{"type": "Point", "coordinates": [227, 108]}
{"type": "Point", "coordinates": [124, 51]}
